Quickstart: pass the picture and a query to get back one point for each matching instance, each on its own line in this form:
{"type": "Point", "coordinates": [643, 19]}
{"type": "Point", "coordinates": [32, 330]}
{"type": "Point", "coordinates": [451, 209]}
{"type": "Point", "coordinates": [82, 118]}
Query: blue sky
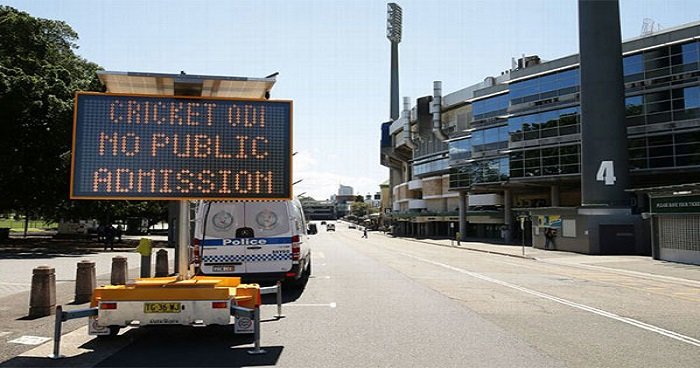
{"type": "Point", "coordinates": [333, 56]}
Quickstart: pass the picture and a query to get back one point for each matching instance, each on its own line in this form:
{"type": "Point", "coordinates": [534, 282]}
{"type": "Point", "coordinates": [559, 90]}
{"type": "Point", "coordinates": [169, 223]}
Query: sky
{"type": "Point", "coordinates": [333, 57]}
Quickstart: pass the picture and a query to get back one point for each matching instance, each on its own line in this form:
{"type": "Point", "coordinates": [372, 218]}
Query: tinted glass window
{"type": "Point", "coordinates": [632, 64]}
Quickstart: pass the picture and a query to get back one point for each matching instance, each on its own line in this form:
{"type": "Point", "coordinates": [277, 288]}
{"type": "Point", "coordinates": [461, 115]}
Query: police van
{"type": "Point", "coordinates": [254, 240]}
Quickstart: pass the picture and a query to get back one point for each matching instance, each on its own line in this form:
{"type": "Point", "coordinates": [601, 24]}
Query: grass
{"type": "Point", "coordinates": [34, 225]}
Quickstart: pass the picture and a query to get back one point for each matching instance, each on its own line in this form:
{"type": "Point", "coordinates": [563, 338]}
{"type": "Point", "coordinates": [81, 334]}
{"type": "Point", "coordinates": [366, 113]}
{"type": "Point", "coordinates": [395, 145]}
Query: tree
{"type": "Point", "coordinates": [39, 75]}
{"type": "Point", "coordinates": [359, 209]}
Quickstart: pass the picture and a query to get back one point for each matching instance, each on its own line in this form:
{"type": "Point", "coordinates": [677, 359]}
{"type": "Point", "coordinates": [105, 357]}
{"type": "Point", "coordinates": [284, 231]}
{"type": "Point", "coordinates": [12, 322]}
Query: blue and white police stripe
{"type": "Point", "coordinates": [248, 241]}
{"type": "Point", "coordinates": [247, 258]}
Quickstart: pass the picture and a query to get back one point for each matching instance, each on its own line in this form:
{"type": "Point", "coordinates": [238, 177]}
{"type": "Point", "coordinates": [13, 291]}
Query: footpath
{"type": "Point", "coordinates": [18, 332]}
{"type": "Point", "coordinates": [639, 266]}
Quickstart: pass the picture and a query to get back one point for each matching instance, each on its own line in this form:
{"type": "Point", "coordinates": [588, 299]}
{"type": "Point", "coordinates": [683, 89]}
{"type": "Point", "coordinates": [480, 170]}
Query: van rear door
{"type": "Point", "coordinates": [221, 253]}
{"type": "Point", "coordinates": [270, 250]}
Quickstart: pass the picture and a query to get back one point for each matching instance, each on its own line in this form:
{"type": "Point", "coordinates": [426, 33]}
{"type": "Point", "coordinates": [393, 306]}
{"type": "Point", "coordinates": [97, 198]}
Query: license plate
{"type": "Point", "coordinates": [224, 268]}
{"type": "Point", "coordinates": [162, 307]}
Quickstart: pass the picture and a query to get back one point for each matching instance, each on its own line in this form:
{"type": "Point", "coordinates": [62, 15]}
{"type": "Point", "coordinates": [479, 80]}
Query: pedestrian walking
{"type": "Point", "coordinates": [109, 233]}
{"type": "Point", "coordinates": [549, 235]}
{"type": "Point", "coordinates": [364, 233]}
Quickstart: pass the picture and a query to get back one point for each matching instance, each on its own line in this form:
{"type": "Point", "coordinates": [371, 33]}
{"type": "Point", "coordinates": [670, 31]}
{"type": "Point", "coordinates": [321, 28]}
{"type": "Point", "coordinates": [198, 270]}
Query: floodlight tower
{"type": "Point", "coordinates": [393, 33]}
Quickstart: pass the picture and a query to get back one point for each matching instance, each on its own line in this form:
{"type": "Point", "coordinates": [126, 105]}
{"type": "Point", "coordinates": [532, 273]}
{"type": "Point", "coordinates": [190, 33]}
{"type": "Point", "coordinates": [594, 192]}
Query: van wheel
{"type": "Point", "coordinates": [302, 280]}
{"type": "Point", "coordinates": [307, 272]}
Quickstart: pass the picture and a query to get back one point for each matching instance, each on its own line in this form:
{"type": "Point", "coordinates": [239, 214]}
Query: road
{"type": "Point", "coordinates": [384, 301]}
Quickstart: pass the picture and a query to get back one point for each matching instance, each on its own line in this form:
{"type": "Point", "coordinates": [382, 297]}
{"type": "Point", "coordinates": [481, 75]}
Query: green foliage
{"type": "Point", "coordinates": [39, 76]}
{"type": "Point", "coordinates": [359, 209]}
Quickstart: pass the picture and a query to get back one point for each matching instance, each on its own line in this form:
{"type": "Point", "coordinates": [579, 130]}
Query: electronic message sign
{"type": "Point", "coordinates": [155, 147]}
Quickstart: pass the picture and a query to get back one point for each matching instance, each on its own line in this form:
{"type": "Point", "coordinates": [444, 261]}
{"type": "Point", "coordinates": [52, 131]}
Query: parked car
{"type": "Point", "coordinates": [352, 226]}
{"type": "Point", "coordinates": [330, 227]}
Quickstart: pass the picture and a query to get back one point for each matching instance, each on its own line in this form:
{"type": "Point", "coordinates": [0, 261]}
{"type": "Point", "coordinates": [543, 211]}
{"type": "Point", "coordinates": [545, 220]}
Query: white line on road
{"type": "Point", "coordinates": [624, 272]}
{"type": "Point", "coordinates": [600, 312]}
{"type": "Point", "coordinates": [329, 305]}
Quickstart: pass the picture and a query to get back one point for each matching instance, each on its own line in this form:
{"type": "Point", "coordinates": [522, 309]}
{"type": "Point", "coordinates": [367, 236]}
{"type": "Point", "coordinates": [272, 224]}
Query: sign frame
{"type": "Point", "coordinates": [288, 185]}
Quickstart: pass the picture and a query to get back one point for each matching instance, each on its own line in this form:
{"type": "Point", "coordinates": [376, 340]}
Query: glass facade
{"type": "Point", "coordinates": [558, 160]}
{"type": "Point", "coordinates": [430, 167]}
{"type": "Point", "coordinates": [662, 62]}
{"type": "Point", "coordinates": [490, 139]}
{"type": "Point", "coordinates": [490, 107]}
{"type": "Point", "coordinates": [663, 151]}
{"type": "Point", "coordinates": [663, 106]}
{"type": "Point", "coordinates": [545, 87]}
{"type": "Point", "coordinates": [460, 150]}
{"type": "Point", "coordinates": [545, 124]}
{"type": "Point", "coordinates": [483, 171]}
{"type": "Point", "coordinates": [670, 93]}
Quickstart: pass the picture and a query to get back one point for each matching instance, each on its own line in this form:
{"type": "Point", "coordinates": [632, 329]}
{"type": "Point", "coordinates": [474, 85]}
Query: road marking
{"type": "Point", "coordinates": [4, 333]}
{"type": "Point", "coordinates": [630, 321]}
{"type": "Point", "coordinates": [329, 305]}
{"type": "Point", "coordinates": [30, 340]}
{"type": "Point", "coordinates": [625, 272]}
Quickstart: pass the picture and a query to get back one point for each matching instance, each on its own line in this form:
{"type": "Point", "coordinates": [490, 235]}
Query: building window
{"type": "Point", "coordinates": [490, 139]}
{"type": "Point", "coordinates": [633, 67]}
{"type": "Point", "coordinates": [430, 167]}
{"type": "Point", "coordinates": [490, 107]}
{"type": "Point", "coordinates": [460, 150]}
{"type": "Point", "coordinates": [662, 151]}
{"type": "Point", "coordinates": [549, 161]}
{"type": "Point", "coordinates": [545, 87]}
{"type": "Point", "coordinates": [545, 124]}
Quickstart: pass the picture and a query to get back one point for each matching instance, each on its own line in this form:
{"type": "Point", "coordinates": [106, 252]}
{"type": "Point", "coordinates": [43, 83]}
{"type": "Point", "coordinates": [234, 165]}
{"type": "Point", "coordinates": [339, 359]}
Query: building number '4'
{"type": "Point", "coordinates": [606, 173]}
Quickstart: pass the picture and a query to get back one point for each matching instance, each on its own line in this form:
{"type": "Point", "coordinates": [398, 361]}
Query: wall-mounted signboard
{"type": "Point", "coordinates": [676, 204]}
{"type": "Point", "coordinates": [166, 148]}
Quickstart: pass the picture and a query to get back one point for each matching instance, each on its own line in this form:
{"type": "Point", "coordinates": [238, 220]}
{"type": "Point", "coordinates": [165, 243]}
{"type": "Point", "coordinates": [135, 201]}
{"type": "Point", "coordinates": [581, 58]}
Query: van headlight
{"type": "Point", "coordinates": [266, 219]}
{"type": "Point", "coordinates": [222, 220]}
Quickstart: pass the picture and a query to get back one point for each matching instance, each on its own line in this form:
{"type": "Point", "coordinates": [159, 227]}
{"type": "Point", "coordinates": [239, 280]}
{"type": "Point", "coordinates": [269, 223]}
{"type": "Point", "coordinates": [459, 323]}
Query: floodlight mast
{"type": "Point", "coordinates": [393, 33]}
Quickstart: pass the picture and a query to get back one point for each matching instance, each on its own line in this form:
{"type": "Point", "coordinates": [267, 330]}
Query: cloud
{"type": "Point", "coordinates": [322, 181]}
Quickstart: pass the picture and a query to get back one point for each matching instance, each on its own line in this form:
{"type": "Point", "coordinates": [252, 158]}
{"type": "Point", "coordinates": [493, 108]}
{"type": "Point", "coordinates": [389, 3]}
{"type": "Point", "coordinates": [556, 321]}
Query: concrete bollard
{"type": "Point", "coordinates": [162, 263]}
{"type": "Point", "coordinates": [42, 301]}
{"type": "Point", "coordinates": [120, 271]}
{"type": "Point", "coordinates": [85, 281]}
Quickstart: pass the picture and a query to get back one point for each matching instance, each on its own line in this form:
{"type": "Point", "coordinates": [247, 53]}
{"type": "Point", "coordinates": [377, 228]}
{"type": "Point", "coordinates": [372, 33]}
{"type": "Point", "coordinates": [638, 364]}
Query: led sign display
{"type": "Point", "coordinates": [153, 147]}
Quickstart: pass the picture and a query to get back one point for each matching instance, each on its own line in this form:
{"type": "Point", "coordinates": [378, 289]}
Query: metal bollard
{"type": "Point", "coordinates": [279, 300]}
{"type": "Point", "coordinates": [119, 271]}
{"type": "Point", "coordinates": [85, 281]}
{"type": "Point", "coordinates": [162, 263]}
{"type": "Point", "coordinates": [43, 295]}
{"type": "Point", "coordinates": [256, 347]}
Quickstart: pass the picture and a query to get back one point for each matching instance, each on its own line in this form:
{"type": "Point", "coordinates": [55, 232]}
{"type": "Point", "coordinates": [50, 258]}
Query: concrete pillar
{"type": "Point", "coordinates": [554, 195]}
{"type": "Point", "coordinates": [162, 263]}
{"type": "Point", "coordinates": [463, 204]}
{"type": "Point", "coordinates": [507, 215]}
{"type": "Point", "coordinates": [85, 281]}
{"type": "Point", "coordinates": [42, 301]}
{"type": "Point", "coordinates": [120, 270]}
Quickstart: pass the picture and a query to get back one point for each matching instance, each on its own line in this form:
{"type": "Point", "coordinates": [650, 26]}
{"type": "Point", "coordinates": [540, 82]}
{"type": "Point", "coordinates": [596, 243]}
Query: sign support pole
{"type": "Point", "coordinates": [183, 239]}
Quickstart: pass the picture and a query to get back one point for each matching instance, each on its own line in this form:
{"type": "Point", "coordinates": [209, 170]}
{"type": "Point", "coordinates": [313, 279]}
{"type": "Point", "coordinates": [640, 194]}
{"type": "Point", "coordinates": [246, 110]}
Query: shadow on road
{"type": "Point", "coordinates": [168, 346]}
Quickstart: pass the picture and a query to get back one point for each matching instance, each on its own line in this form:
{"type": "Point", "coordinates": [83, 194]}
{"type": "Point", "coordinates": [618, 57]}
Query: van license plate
{"type": "Point", "coordinates": [224, 268]}
{"type": "Point", "coordinates": [162, 307]}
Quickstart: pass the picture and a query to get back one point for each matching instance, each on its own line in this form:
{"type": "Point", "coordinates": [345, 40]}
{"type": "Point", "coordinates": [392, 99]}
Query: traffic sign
{"type": "Point", "coordinates": [156, 147]}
